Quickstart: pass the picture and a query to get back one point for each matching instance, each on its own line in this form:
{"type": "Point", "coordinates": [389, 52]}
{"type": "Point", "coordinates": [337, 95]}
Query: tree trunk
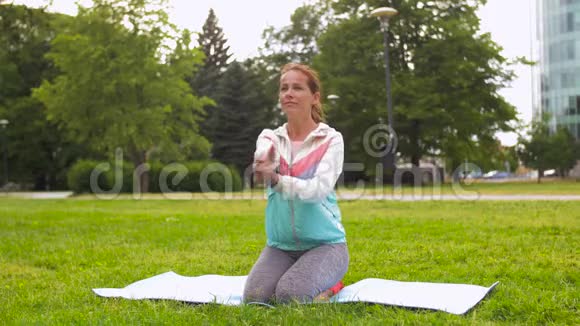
{"type": "Point", "coordinates": [141, 174]}
{"type": "Point", "coordinates": [145, 180]}
{"type": "Point", "coordinates": [40, 182]}
{"type": "Point", "coordinates": [563, 173]}
{"type": "Point", "coordinates": [416, 149]}
{"type": "Point", "coordinates": [415, 159]}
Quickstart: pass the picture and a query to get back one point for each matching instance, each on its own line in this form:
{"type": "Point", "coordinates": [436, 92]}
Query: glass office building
{"type": "Point", "coordinates": [559, 75]}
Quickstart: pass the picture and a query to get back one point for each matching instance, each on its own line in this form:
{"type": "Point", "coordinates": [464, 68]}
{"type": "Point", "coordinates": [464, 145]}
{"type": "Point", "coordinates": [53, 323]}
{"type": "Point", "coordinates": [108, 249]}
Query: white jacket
{"type": "Point", "coordinates": [312, 174]}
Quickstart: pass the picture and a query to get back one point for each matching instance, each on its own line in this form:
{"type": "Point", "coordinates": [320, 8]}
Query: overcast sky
{"type": "Point", "coordinates": [243, 23]}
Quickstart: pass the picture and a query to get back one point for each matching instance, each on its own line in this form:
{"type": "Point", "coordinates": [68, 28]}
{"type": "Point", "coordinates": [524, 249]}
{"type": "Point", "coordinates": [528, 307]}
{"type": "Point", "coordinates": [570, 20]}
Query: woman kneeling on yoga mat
{"type": "Point", "coordinates": [306, 254]}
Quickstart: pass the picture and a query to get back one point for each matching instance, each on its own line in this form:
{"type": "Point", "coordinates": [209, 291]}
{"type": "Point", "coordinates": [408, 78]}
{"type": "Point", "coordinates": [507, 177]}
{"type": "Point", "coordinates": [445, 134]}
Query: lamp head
{"type": "Point", "coordinates": [384, 13]}
{"type": "Point", "coordinates": [4, 123]}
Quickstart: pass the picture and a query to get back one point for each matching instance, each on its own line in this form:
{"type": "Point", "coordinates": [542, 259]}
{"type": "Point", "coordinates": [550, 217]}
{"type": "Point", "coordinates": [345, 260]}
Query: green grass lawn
{"type": "Point", "coordinates": [52, 253]}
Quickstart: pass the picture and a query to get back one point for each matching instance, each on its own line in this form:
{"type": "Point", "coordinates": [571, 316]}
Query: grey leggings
{"type": "Point", "coordinates": [283, 276]}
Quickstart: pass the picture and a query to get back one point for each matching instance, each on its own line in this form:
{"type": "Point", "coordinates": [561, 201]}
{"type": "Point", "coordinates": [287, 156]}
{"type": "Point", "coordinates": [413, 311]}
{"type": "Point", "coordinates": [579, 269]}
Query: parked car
{"type": "Point", "coordinates": [496, 175]}
{"type": "Point", "coordinates": [550, 173]}
{"type": "Point", "coordinates": [489, 174]}
{"type": "Point", "coordinates": [501, 175]}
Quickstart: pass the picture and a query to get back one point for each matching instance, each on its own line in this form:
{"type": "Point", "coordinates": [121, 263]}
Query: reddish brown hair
{"type": "Point", "coordinates": [313, 85]}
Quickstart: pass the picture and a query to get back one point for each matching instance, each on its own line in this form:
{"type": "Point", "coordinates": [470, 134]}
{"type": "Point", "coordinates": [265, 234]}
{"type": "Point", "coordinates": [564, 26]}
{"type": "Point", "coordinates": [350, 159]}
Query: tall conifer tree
{"type": "Point", "coordinates": [212, 43]}
{"type": "Point", "coordinates": [241, 114]}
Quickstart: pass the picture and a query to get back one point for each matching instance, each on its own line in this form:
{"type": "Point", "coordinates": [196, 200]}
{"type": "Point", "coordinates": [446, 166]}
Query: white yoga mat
{"type": "Point", "coordinates": [452, 298]}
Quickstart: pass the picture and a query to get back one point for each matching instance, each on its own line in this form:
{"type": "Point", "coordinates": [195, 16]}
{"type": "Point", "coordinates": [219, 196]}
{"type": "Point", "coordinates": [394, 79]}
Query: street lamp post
{"type": "Point", "coordinates": [384, 14]}
{"type": "Point", "coordinates": [4, 123]}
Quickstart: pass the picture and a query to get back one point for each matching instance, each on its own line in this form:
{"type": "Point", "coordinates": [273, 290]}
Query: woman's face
{"type": "Point", "coordinates": [295, 95]}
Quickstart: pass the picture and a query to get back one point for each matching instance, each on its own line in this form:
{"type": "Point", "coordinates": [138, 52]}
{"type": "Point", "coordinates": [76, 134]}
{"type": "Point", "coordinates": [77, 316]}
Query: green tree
{"type": "Point", "coordinates": [296, 42]}
{"type": "Point", "coordinates": [39, 154]}
{"type": "Point", "coordinates": [543, 149]}
{"type": "Point", "coordinates": [508, 156]}
{"type": "Point", "coordinates": [566, 151]}
{"type": "Point", "coordinates": [121, 87]}
{"type": "Point", "coordinates": [242, 114]}
{"type": "Point", "coordinates": [445, 73]}
{"type": "Point", "coordinates": [267, 82]}
{"type": "Point", "coordinates": [350, 66]}
{"type": "Point", "coordinates": [212, 42]}
{"type": "Point", "coordinates": [533, 150]}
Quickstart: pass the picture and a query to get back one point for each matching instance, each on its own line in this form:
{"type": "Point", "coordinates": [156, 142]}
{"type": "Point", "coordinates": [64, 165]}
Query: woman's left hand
{"type": "Point", "coordinates": [264, 171]}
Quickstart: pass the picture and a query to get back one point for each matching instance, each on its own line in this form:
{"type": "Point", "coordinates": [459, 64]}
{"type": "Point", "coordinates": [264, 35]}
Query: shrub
{"type": "Point", "coordinates": [187, 177]}
{"type": "Point", "coordinates": [126, 177]}
{"type": "Point", "coordinates": [79, 176]}
{"type": "Point", "coordinates": [217, 178]}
